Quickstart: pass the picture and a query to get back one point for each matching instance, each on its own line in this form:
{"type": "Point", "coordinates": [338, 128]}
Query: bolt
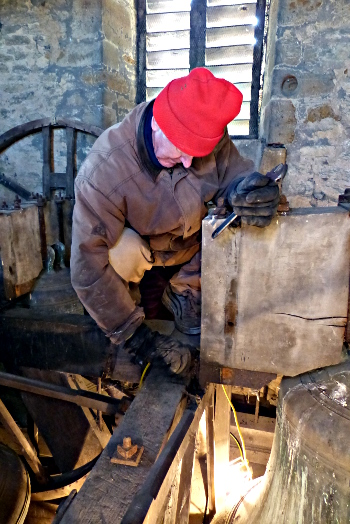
{"type": "Point", "coordinates": [17, 203]}
{"type": "Point", "coordinates": [126, 443]}
{"type": "Point", "coordinates": [128, 450]}
{"type": "Point", "coordinates": [40, 201]}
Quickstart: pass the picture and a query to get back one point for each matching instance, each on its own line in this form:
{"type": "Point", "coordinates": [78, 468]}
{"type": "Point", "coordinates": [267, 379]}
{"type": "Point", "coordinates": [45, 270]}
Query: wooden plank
{"type": "Point", "coordinates": [171, 509]}
{"type": "Point", "coordinates": [179, 58]}
{"type": "Point", "coordinates": [64, 342]}
{"type": "Point", "coordinates": [159, 505]}
{"type": "Point", "coordinates": [15, 187]}
{"type": "Point", "coordinates": [16, 133]}
{"type": "Point", "coordinates": [221, 444]}
{"type": "Point", "coordinates": [278, 292]}
{"type": "Point", "coordinates": [28, 450]}
{"type": "Point", "coordinates": [97, 424]}
{"type": "Point", "coordinates": [226, 15]}
{"type": "Point", "coordinates": [209, 415]}
{"type": "Point", "coordinates": [67, 211]}
{"type": "Point", "coordinates": [109, 489]}
{"type": "Point", "coordinates": [20, 250]}
{"type": "Point", "coordinates": [70, 137]}
{"type": "Point", "coordinates": [185, 483]}
{"type": "Point", "coordinates": [47, 161]}
{"type": "Point", "coordinates": [168, 22]}
{"type": "Point", "coordinates": [64, 426]}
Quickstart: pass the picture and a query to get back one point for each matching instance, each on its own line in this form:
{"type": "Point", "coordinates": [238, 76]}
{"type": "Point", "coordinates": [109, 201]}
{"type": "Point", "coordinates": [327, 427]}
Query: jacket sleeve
{"type": "Point", "coordinates": [97, 225]}
{"type": "Point", "coordinates": [230, 165]}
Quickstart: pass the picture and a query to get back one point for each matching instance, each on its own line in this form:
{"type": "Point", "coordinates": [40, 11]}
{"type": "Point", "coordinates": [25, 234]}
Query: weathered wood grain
{"type": "Point", "coordinates": [20, 250]}
{"type": "Point", "coordinates": [275, 299]}
{"type": "Point", "coordinates": [221, 444]}
{"type": "Point", "coordinates": [175, 507]}
{"type": "Point", "coordinates": [109, 489]}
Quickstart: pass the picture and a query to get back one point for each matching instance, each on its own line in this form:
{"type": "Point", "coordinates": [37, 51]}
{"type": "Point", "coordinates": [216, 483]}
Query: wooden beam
{"type": "Point", "coordinates": [110, 488]}
{"type": "Point", "coordinates": [185, 483]}
{"type": "Point", "coordinates": [277, 294]}
{"type": "Point", "coordinates": [221, 444]}
{"type": "Point", "coordinates": [17, 133]}
{"type": "Point", "coordinates": [28, 450]}
{"type": "Point", "coordinates": [47, 161]}
{"type": "Point", "coordinates": [70, 138]}
{"type": "Point", "coordinates": [172, 480]}
{"type": "Point", "coordinates": [209, 412]}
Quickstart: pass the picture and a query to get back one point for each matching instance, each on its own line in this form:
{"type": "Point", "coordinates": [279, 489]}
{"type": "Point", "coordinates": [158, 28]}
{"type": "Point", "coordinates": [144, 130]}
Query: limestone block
{"type": "Point", "coordinates": [111, 56]}
{"type": "Point", "coordinates": [282, 122]}
{"type": "Point", "coordinates": [310, 85]}
{"type": "Point", "coordinates": [296, 12]}
{"type": "Point", "coordinates": [288, 51]}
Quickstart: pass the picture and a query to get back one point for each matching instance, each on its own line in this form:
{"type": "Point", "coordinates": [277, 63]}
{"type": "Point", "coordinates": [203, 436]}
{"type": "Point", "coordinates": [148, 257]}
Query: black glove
{"type": "Point", "coordinates": [255, 198]}
{"type": "Point", "coordinates": [148, 345]}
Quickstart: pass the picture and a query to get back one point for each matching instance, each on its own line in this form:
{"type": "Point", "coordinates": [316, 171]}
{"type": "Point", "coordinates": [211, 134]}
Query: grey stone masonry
{"type": "Point", "coordinates": [306, 102]}
{"type": "Point", "coordinates": [62, 59]}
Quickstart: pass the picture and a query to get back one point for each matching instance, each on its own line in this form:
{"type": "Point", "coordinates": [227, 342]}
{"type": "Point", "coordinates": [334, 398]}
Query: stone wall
{"type": "Point", "coordinates": [119, 59]}
{"type": "Point", "coordinates": [77, 58]}
{"type": "Point", "coordinates": [306, 102]}
{"type": "Point", "coordinates": [62, 58]}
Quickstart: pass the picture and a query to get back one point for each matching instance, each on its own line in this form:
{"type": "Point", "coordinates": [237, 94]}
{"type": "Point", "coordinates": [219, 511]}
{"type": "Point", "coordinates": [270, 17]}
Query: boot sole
{"type": "Point", "coordinates": [174, 306]}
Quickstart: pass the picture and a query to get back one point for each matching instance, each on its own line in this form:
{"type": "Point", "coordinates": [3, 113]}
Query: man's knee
{"type": "Point", "coordinates": [131, 256]}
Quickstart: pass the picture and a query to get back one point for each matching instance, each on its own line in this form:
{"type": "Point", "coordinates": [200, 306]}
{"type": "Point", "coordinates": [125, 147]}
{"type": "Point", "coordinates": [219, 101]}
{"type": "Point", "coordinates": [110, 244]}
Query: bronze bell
{"type": "Point", "coordinates": [308, 476]}
{"type": "Point", "coordinates": [14, 487]}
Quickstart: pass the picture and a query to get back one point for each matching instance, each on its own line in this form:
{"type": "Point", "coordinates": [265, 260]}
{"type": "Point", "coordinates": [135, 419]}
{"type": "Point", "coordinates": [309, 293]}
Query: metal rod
{"type": "Point", "coordinates": [108, 405]}
{"type": "Point", "coordinates": [224, 225]}
{"type": "Point", "coordinates": [16, 188]}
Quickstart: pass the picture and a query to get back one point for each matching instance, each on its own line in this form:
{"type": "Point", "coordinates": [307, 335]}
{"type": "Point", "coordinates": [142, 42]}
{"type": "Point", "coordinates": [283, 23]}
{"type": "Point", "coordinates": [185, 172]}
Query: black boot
{"type": "Point", "coordinates": [186, 310]}
{"type": "Point", "coordinates": [148, 345]}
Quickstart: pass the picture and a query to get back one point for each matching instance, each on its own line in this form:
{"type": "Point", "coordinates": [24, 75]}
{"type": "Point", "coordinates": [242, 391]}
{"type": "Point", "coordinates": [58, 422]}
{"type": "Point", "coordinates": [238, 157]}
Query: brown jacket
{"type": "Point", "coordinates": [118, 184]}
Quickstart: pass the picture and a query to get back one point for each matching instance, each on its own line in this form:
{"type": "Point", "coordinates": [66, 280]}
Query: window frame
{"type": "Point", "coordinates": [197, 54]}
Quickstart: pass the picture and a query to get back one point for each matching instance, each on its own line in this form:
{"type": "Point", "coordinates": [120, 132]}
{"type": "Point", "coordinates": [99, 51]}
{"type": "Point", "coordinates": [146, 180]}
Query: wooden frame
{"type": "Point", "coordinates": [159, 489]}
{"type": "Point", "coordinates": [46, 125]}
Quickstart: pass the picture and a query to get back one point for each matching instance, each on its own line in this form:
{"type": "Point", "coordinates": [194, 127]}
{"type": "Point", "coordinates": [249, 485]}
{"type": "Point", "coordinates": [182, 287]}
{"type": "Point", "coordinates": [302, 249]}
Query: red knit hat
{"type": "Point", "coordinates": [194, 110]}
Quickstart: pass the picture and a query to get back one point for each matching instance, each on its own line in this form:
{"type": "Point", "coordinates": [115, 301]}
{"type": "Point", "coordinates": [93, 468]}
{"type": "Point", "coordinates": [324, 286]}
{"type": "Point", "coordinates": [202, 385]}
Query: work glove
{"type": "Point", "coordinates": [149, 346]}
{"type": "Point", "coordinates": [255, 198]}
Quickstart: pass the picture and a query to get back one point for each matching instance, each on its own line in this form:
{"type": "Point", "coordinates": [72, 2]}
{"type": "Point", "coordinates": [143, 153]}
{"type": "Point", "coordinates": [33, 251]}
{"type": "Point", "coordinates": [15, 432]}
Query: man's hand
{"type": "Point", "coordinates": [255, 198]}
{"type": "Point", "coordinates": [148, 346]}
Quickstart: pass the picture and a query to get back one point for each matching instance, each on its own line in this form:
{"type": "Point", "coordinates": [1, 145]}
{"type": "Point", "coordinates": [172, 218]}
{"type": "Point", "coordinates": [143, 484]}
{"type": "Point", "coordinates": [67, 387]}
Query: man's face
{"type": "Point", "coordinates": [167, 154]}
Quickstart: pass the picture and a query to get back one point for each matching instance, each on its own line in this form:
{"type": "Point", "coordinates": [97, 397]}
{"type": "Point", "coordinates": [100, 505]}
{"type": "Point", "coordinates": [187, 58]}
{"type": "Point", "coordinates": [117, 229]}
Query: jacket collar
{"type": "Point", "coordinates": [141, 146]}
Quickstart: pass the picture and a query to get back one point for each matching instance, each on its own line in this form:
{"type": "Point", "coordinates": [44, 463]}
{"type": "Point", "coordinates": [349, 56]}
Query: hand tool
{"type": "Point", "coordinates": [277, 174]}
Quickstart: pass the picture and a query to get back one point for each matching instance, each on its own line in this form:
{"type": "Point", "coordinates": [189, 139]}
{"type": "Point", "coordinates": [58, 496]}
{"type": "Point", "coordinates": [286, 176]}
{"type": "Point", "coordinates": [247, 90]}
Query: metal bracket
{"type": "Point", "coordinates": [129, 454]}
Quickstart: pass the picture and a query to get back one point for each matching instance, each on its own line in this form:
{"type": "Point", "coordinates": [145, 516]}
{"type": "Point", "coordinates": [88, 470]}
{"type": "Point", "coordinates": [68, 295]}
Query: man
{"type": "Point", "coordinates": [141, 196]}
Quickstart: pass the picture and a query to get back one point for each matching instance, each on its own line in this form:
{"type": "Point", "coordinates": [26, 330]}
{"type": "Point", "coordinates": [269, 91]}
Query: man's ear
{"type": "Point", "coordinates": [154, 125]}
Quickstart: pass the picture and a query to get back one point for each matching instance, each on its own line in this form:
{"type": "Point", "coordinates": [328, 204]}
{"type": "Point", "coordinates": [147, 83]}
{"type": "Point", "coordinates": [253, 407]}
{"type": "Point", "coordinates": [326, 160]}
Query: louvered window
{"type": "Point", "coordinates": [226, 36]}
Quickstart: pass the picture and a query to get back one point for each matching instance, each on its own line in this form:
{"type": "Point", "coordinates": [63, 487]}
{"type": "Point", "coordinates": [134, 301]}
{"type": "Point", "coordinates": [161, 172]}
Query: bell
{"type": "Point", "coordinates": [14, 487]}
{"type": "Point", "coordinates": [308, 476]}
